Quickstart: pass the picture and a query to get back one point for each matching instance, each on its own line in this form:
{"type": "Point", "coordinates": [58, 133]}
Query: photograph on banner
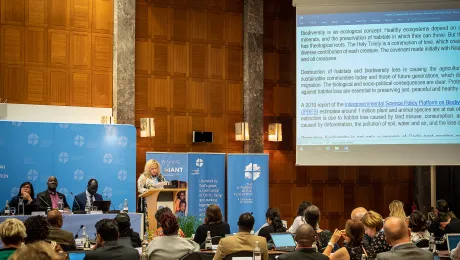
{"type": "Point", "coordinates": [206, 183]}
{"type": "Point", "coordinates": [172, 172]}
{"type": "Point", "coordinates": [74, 154]}
{"type": "Point", "coordinates": [247, 188]}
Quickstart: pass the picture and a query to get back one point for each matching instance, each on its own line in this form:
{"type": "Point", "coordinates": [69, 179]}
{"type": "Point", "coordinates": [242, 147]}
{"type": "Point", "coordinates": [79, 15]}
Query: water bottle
{"type": "Point", "coordinates": [83, 235]}
{"type": "Point", "coordinates": [87, 244]}
{"type": "Point", "coordinates": [146, 239]}
{"type": "Point", "coordinates": [7, 209]}
{"type": "Point", "coordinates": [363, 257]}
{"type": "Point", "coordinates": [125, 206]}
{"type": "Point", "coordinates": [432, 243]}
{"type": "Point", "coordinates": [257, 255]}
{"type": "Point", "coordinates": [60, 204]}
{"type": "Point", "coordinates": [21, 207]}
{"type": "Point", "coordinates": [88, 207]}
{"type": "Point", "coordinates": [145, 255]}
{"type": "Point", "coordinates": [208, 242]}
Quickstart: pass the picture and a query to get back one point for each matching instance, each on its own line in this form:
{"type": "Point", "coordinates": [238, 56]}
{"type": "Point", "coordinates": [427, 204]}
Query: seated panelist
{"type": "Point", "coordinates": [26, 193]}
{"type": "Point", "coordinates": [50, 197]}
{"type": "Point", "coordinates": [90, 194]}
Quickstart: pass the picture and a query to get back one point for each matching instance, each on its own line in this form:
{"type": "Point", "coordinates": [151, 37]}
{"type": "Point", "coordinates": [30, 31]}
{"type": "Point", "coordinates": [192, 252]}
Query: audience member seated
{"type": "Point", "coordinates": [50, 197]}
{"type": "Point", "coordinates": [448, 224]}
{"type": "Point", "coordinates": [398, 235]}
{"type": "Point", "coordinates": [418, 227]}
{"type": "Point", "coordinates": [339, 254]}
{"type": "Point", "coordinates": [64, 238]}
{"type": "Point", "coordinates": [299, 220]}
{"type": "Point", "coordinates": [90, 194]}
{"type": "Point", "coordinates": [214, 223]}
{"type": "Point", "coordinates": [37, 229]}
{"type": "Point", "coordinates": [373, 227]}
{"type": "Point", "coordinates": [397, 209]}
{"type": "Point", "coordinates": [305, 237]}
{"type": "Point", "coordinates": [128, 236]}
{"type": "Point", "coordinates": [274, 224]}
{"type": "Point", "coordinates": [358, 213]}
{"type": "Point", "coordinates": [441, 207]}
{"type": "Point", "coordinates": [242, 241]}
{"type": "Point", "coordinates": [107, 246]}
{"type": "Point", "coordinates": [354, 234]}
{"type": "Point", "coordinates": [170, 246]}
{"type": "Point", "coordinates": [312, 217]}
{"type": "Point", "coordinates": [159, 231]}
{"type": "Point", "coordinates": [26, 193]}
{"type": "Point", "coordinates": [12, 235]}
{"type": "Point", "coordinates": [36, 251]}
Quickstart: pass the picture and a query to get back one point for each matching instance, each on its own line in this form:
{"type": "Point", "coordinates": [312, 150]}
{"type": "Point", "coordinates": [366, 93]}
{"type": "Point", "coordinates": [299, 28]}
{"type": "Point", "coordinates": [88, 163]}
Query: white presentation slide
{"type": "Point", "coordinates": [380, 88]}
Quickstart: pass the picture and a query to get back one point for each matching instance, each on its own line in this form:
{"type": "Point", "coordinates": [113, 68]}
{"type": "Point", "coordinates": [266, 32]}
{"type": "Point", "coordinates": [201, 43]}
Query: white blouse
{"type": "Point", "coordinates": [144, 183]}
{"type": "Point", "coordinates": [298, 221]}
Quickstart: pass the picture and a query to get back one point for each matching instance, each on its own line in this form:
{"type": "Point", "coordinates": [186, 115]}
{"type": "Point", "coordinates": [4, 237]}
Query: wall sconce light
{"type": "Point", "coordinates": [275, 132]}
{"type": "Point", "coordinates": [147, 127]}
{"type": "Point", "coordinates": [242, 131]}
{"type": "Point", "coordinates": [108, 120]}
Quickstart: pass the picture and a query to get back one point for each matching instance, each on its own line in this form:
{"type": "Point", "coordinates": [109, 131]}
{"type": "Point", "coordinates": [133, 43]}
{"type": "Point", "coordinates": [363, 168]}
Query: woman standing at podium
{"type": "Point", "coordinates": [149, 179]}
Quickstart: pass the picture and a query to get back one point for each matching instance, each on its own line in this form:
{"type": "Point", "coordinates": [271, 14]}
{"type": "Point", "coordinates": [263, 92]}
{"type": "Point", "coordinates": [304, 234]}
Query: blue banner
{"type": "Point", "coordinates": [74, 153]}
{"type": "Point", "coordinates": [206, 182]}
{"type": "Point", "coordinates": [174, 167]}
{"type": "Point", "coordinates": [247, 187]}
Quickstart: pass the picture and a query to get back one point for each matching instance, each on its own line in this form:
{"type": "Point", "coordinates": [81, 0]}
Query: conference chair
{"type": "Point", "coordinates": [423, 243]}
{"type": "Point", "coordinates": [239, 254]}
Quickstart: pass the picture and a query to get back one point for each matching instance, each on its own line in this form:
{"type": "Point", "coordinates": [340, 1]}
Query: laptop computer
{"type": "Point", "coordinates": [103, 205]}
{"type": "Point", "coordinates": [77, 255]}
{"type": "Point", "coordinates": [452, 241]}
{"type": "Point", "coordinates": [283, 241]}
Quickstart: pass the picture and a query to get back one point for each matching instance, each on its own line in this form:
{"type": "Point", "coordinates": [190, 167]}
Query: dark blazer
{"type": "Point", "coordinates": [265, 232]}
{"type": "Point", "coordinates": [217, 230]}
{"type": "Point", "coordinates": [45, 196]}
{"type": "Point", "coordinates": [406, 251]}
{"type": "Point", "coordinates": [453, 226]}
{"type": "Point", "coordinates": [79, 202]}
{"type": "Point", "coordinates": [64, 238]}
{"type": "Point", "coordinates": [303, 253]}
{"type": "Point", "coordinates": [133, 240]}
{"type": "Point", "coordinates": [15, 201]}
{"type": "Point", "coordinates": [114, 251]}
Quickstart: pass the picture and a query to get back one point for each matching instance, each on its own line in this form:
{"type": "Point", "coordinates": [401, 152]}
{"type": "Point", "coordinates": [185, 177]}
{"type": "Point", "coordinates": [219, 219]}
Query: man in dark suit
{"type": "Point", "coordinates": [50, 197]}
{"type": "Point", "coordinates": [448, 224]}
{"type": "Point", "coordinates": [128, 237]}
{"type": "Point", "coordinates": [90, 194]}
{"type": "Point", "coordinates": [107, 246]}
{"type": "Point", "coordinates": [397, 234]}
{"type": "Point", "coordinates": [64, 238]}
{"type": "Point", "coordinates": [305, 237]}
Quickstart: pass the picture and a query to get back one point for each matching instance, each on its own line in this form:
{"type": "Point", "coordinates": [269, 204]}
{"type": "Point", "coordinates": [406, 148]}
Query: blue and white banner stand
{"type": "Point", "coordinates": [74, 153]}
{"type": "Point", "coordinates": [206, 182]}
{"type": "Point", "coordinates": [247, 187]}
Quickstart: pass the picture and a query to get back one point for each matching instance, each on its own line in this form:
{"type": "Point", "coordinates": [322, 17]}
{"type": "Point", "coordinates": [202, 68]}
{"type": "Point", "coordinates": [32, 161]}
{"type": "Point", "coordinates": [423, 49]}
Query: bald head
{"type": "Point", "coordinates": [396, 231]}
{"type": "Point", "coordinates": [305, 235]}
{"type": "Point", "coordinates": [55, 218]}
{"type": "Point", "coordinates": [358, 213]}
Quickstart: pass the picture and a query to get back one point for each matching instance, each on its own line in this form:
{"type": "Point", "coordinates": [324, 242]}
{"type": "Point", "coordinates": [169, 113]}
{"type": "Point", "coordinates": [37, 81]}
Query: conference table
{"type": "Point", "coordinates": [73, 222]}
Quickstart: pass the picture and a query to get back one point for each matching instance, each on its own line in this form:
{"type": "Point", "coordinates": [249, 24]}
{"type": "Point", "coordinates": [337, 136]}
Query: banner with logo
{"type": "Point", "coordinates": [206, 182]}
{"type": "Point", "coordinates": [247, 187]}
{"type": "Point", "coordinates": [173, 166]}
{"type": "Point", "coordinates": [74, 153]}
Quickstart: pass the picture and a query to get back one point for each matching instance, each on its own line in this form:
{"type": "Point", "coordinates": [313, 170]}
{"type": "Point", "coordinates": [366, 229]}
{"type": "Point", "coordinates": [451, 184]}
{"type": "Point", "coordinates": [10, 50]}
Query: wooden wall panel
{"type": "Point", "coordinates": [142, 20]}
{"type": "Point", "coordinates": [179, 24]}
{"type": "Point", "coordinates": [198, 25]}
{"type": "Point", "coordinates": [234, 24]}
{"type": "Point", "coordinates": [198, 60]}
{"type": "Point", "coordinates": [159, 23]}
{"type": "Point", "coordinates": [197, 95]}
{"type": "Point", "coordinates": [216, 27]}
{"type": "Point", "coordinates": [160, 58]}
{"type": "Point", "coordinates": [216, 61]}
{"type": "Point", "coordinates": [64, 49]}
{"type": "Point", "coordinates": [216, 96]}
{"type": "Point", "coordinates": [179, 58]}
{"type": "Point", "coordinates": [179, 94]}
{"type": "Point", "coordinates": [160, 94]}
{"type": "Point", "coordinates": [234, 91]}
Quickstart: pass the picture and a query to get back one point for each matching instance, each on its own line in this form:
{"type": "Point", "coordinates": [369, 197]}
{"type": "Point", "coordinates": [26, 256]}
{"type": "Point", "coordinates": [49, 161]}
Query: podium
{"type": "Point", "coordinates": [151, 198]}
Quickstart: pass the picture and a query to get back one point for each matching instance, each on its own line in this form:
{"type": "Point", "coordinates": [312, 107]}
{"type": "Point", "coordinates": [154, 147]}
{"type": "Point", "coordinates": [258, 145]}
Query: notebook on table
{"type": "Point", "coordinates": [452, 241]}
{"type": "Point", "coordinates": [283, 241]}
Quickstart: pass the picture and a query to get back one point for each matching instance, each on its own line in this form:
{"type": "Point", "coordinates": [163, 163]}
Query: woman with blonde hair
{"type": "Point", "coordinates": [397, 209]}
{"type": "Point", "coordinates": [149, 179]}
{"type": "Point", "coordinates": [12, 234]}
{"type": "Point", "coordinates": [373, 227]}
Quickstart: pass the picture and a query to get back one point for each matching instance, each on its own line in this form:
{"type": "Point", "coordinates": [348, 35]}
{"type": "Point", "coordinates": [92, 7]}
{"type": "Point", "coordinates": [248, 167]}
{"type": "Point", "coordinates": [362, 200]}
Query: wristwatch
{"type": "Point", "coordinates": [330, 244]}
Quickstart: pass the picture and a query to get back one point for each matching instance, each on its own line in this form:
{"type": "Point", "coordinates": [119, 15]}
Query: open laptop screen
{"type": "Point", "coordinates": [452, 241]}
{"type": "Point", "coordinates": [77, 256]}
{"type": "Point", "coordinates": [283, 240]}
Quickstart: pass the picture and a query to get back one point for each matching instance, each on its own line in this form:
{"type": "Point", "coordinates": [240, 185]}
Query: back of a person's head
{"type": "Point", "coordinates": [396, 230]}
{"type": "Point", "coordinates": [305, 235]}
{"type": "Point", "coordinates": [443, 217]}
{"type": "Point", "coordinates": [160, 212]}
{"type": "Point", "coordinates": [373, 219]}
{"type": "Point", "coordinates": [12, 231]}
{"type": "Point", "coordinates": [169, 224]}
{"type": "Point", "coordinates": [397, 209]}
{"type": "Point", "coordinates": [417, 222]}
{"type": "Point", "coordinates": [37, 229]}
{"type": "Point", "coordinates": [124, 224]}
{"type": "Point", "coordinates": [312, 215]}
{"type": "Point", "coordinates": [302, 207]}
{"type": "Point", "coordinates": [275, 216]}
{"type": "Point", "coordinates": [107, 229]}
{"type": "Point", "coordinates": [35, 251]}
{"type": "Point", "coordinates": [54, 217]}
{"type": "Point", "coordinates": [442, 206]}
{"type": "Point", "coordinates": [246, 222]}
{"type": "Point", "coordinates": [354, 229]}
{"type": "Point", "coordinates": [358, 213]}
{"type": "Point", "coordinates": [213, 214]}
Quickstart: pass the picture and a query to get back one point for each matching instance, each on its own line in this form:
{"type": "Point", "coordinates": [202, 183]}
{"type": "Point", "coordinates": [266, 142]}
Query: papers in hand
{"type": "Point", "coordinates": [160, 185]}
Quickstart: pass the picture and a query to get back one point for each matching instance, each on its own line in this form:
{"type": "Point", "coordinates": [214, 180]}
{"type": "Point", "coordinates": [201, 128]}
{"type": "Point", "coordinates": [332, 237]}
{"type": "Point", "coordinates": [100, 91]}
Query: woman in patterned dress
{"type": "Point", "coordinates": [149, 179]}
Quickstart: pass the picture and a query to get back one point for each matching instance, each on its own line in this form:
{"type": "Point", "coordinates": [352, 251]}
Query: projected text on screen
{"type": "Point", "coordinates": [378, 78]}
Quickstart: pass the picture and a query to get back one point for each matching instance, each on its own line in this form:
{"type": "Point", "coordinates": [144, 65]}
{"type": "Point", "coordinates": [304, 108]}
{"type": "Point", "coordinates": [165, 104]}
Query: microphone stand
{"type": "Point", "coordinates": [75, 237]}
{"type": "Point", "coordinates": [75, 199]}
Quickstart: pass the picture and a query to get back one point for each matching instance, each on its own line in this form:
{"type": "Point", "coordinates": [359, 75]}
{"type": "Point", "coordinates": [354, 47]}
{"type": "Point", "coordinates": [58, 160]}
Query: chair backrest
{"type": "Point", "coordinates": [192, 256]}
{"type": "Point", "coordinates": [215, 240]}
{"type": "Point", "coordinates": [239, 254]}
{"type": "Point", "coordinates": [423, 243]}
